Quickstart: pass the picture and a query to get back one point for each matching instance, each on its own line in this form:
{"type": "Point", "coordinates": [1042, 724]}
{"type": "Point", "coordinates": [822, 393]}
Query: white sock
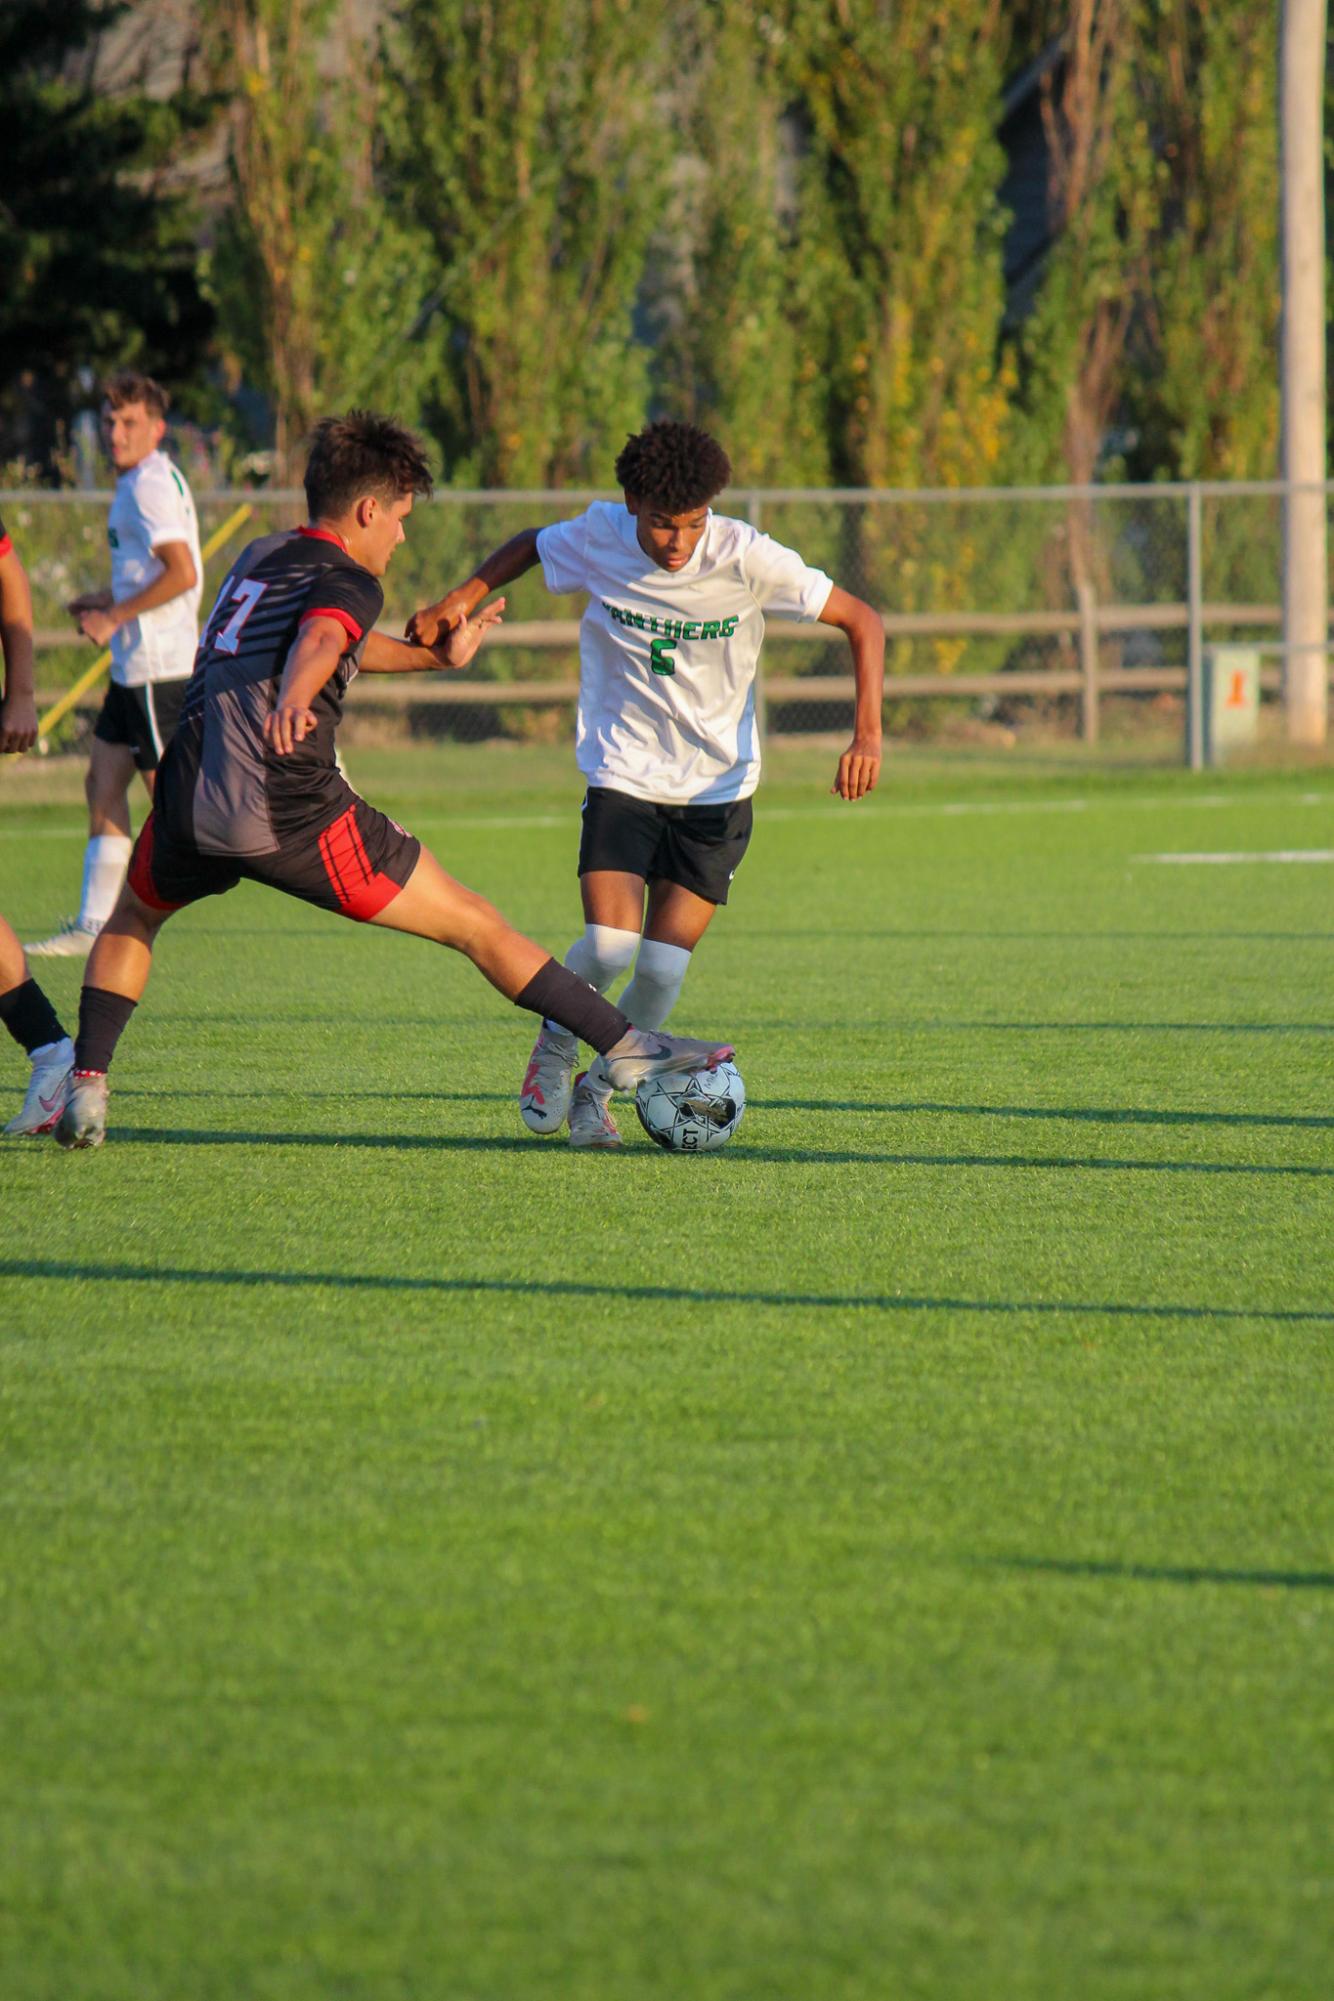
{"type": "Point", "coordinates": [105, 860]}
{"type": "Point", "coordinates": [600, 957]}
{"type": "Point", "coordinates": [652, 993]}
{"type": "Point", "coordinates": [649, 998]}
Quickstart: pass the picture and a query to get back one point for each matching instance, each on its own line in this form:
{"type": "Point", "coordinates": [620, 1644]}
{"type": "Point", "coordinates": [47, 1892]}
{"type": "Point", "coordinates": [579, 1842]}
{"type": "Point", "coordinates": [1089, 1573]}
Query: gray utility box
{"type": "Point", "coordinates": [1231, 700]}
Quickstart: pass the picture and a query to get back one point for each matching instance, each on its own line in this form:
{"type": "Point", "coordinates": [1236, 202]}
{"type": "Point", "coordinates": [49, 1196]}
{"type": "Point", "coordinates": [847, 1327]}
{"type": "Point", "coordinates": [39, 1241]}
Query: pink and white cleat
{"type": "Point", "coordinates": [48, 1088]}
{"type": "Point", "coordinates": [591, 1122]}
{"type": "Point", "coordinates": [544, 1100]}
{"type": "Point", "coordinates": [644, 1052]}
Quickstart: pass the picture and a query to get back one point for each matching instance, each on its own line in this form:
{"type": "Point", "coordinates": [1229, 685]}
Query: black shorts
{"type": "Point", "coordinates": [355, 865]}
{"type": "Point", "coordinates": [699, 847]}
{"type": "Point", "coordinates": [144, 719]}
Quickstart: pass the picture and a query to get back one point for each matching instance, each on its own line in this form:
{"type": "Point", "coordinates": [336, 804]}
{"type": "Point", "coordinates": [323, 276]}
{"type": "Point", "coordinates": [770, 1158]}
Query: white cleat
{"type": "Point", "coordinates": [84, 1119]}
{"type": "Point", "coordinates": [645, 1053]}
{"type": "Point", "coordinates": [544, 1100]}
{"type": "Point", "coordinates": [72, 941]}
{"type": "Point", "coordinates": [591, 1122]}
{"type": "Point", "coordinates": [48, 1088]}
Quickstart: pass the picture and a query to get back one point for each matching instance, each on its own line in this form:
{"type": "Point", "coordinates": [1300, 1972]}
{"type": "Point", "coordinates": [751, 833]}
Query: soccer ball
{"type": "Point", "coordinates": [692, 1111]}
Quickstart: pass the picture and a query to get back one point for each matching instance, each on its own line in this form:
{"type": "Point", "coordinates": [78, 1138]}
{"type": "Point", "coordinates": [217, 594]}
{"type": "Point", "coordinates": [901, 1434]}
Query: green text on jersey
{"type": "Point", "coordinates": [673, 628]}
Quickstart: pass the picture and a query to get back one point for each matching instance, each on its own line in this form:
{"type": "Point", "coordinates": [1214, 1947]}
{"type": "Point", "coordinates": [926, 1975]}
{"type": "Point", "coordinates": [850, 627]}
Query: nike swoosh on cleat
{"type": "Point", "coordinates": [49, 1104]}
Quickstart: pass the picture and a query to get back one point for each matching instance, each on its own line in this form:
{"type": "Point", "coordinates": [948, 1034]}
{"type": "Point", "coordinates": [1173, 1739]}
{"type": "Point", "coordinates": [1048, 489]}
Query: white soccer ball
{"type": "Point", "coordinates": [692, 1111]}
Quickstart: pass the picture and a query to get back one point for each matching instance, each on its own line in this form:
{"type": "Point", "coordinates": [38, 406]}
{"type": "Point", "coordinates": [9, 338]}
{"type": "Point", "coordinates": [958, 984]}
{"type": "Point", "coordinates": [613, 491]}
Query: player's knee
{"type": "Point", "coordinates": [656, 986]}
{"type": "Point", "coordinates": [472, 923]}
{"type": "Point", "coordinates": [661, 966]}
{"type": "Point", "coordinates": [602, 954]}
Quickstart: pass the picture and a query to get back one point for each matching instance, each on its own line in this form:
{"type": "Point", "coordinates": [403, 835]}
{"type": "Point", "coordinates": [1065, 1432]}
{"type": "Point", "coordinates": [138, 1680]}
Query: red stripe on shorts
{"type": "Point", "coordinates": [5, 545]}
{"type": "Point", "coordinates": [141, 870]}
{"type": "Point", "coordinates": [362, 892]}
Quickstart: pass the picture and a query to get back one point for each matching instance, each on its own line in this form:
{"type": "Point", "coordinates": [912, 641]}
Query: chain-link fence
{"type": "Point", "coordinates": [1080, 611]}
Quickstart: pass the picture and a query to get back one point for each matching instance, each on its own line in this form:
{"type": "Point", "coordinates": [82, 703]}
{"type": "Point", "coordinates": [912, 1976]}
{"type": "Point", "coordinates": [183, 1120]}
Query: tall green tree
{"type": "Point", "coordinates": [1210, 407]}
{"type": "Point", "coordinates": [96, 245]}
{"type": "Point", "coordinates": [317, 279]}
{"type": "Point", "coordinates": [532, 144]}
{"type": "Point", "coordinates": [740, 333]}
{"type": "Point", "coordinates": [903, 226]}
{"type": "Point", "coordinates": [1103, 194]}
{"type": "Point", "coordinates": [900, 255]}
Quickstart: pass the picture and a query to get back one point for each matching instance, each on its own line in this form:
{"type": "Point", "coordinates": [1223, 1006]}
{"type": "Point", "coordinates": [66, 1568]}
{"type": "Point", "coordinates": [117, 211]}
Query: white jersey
{"type": "Point", "coordinates": [152, 505]}
{"type": "Point", "coordinates": [667, 658]}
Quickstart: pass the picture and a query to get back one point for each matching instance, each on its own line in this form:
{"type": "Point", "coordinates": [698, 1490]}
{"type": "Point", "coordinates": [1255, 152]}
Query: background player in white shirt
{"type": "Point", "coordinates": [666, 734]}
{"type": "Point", "coordinates": [150, 620]}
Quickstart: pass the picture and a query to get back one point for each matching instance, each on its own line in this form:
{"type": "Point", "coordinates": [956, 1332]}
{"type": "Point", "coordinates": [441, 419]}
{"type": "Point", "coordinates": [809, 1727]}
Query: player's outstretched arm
{"type": "Point", "coordinates": [383, 655]}
{"type": "Point", "coordinates": [18, 709]}
{"type": "Point", "coordinates": [859, 767]}
{"type": "Point", "coordinates": [502, 566]}
{"type": "Point", "coordinates": [315, 654]}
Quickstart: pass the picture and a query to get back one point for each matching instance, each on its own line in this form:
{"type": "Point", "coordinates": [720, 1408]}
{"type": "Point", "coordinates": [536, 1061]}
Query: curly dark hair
{"type": "Point", "coordinates": [362, 452]}
{"type": "Point", "coordinates": [676, 466]}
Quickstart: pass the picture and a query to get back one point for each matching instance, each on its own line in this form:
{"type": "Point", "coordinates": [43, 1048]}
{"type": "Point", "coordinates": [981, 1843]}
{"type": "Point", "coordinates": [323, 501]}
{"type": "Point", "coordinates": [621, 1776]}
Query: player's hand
{"type": "Point", "coordinates": [89, 601]}
{"type": "Point", "coordinates": [858, 768]}
{"type": "Point", "coordinates": [18, 725]}
{"type": "Point", "coordinates": [287, 725]}
{"type": "Point", "coordinates": [459, 646]}
{"type": "Point", "coordinates": [426, 626]}
{"type": "Point", "coordinates": [98, 626]}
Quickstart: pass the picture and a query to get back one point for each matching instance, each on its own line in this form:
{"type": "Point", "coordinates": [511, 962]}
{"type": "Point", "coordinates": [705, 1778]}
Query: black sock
{"type": "Point", "coordinates": [30, 1017]}
{"type": "Point", "coordinates": [556, 992]}
{"type": "Point", "coordinates": [102, 1019]}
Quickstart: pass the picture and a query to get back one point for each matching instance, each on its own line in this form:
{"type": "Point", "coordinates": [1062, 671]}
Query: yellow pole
{"type": "Point", "coordinates": [99, 667]}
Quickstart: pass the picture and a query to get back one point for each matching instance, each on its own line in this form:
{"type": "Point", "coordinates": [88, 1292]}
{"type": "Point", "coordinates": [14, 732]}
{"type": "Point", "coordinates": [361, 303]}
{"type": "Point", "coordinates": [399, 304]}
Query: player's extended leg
{"type": "Point", "coordinates": [107, 855]}
{"type": "Point", "coordinates": [677, 920]}
{"type": "Point", "coordinates": [433, 905]}
{"type": "Point", "coordinates": [113, 984]}
{"type": "Point", "coordinates": [32, 1021]}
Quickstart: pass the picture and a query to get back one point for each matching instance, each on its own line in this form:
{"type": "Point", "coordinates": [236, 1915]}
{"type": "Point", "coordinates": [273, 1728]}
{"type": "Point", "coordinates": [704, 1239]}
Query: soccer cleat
{"type": "Point", "coordinates": [84, 1119]}
{"type": "Point", "coordinates": [591, 1122]}
{"type": "Point", "coordinates": [655, 1055]}
{"type": "Point", "coordinates": [72, 941]}
{"type": "Point", "coordinates": [48, 1088]}
{"type": "Point", "coordinates": [544, 1100]}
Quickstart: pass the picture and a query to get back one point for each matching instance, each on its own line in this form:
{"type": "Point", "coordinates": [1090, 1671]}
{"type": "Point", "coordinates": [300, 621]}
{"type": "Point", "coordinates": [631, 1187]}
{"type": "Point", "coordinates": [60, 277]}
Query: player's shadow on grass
{"type": "Point", "coordinates": [743, 1025]}
{"type": "Point", "coordinates": [689, 1295]}
{"type": "Point", "coordinates": [393, 1142]}
{"type": "Point", "coordinates": [1110, 1115]}
{"type": "Point", "coordinates": [778, 1156]}
{"type": "Point", "coordinates": [1156, 1573]}
{"type": "Point", "coordinates": [795, 1156]}
{"type": "Point", "coordinates": [1056, 937]}
{"type": "Point", "coordinates": [391, 1094]}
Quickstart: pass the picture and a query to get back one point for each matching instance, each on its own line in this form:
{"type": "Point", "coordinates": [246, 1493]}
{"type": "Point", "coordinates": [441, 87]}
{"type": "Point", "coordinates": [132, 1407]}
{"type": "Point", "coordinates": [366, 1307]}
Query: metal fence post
{"type": "Point", "coordinates": [754, 511]}
{"type": "Point", "coordinates": [1088, 663]}
{"type": "Point", "coordinates": [1194, 628]}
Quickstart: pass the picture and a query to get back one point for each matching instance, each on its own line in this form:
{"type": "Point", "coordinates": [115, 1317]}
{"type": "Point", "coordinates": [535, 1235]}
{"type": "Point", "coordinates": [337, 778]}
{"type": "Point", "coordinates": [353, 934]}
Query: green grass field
{"type": "Point", "coordinates": [891, 1558]}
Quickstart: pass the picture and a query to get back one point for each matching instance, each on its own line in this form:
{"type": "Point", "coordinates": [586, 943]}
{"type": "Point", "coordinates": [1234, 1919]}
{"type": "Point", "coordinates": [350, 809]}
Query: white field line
{"type": "Point", "coordinates": [945, 809]}
{"type": "Point", "coordinates": [1273, 855]}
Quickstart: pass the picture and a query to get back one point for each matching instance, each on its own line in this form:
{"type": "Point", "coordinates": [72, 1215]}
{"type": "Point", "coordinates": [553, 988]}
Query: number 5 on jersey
{"type": "Point", "coordinates": [660, 656]}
